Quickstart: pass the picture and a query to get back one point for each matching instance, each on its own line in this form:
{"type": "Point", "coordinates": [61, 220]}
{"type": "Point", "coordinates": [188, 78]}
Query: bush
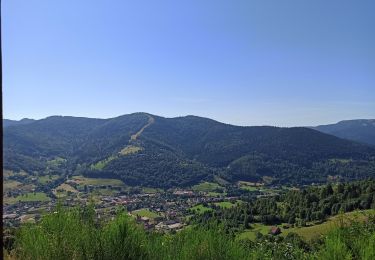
{"type": "Point", "coordinates": [75, 234]}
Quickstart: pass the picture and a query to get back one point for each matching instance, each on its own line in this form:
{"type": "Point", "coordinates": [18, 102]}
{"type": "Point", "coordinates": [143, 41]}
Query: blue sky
{"type": "Point", "coordinates": [264, 62]}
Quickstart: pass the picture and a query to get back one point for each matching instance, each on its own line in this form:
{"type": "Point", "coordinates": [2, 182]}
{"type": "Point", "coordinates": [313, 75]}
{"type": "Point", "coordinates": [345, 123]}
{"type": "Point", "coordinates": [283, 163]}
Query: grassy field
{"type": "Point", "coordinates": [28, 197]}
{"type": "Point", "coordinates": [250, 186]}
{"type": "Point", "coordinates": [63, 189]}
{"type": "Point", "coordinates": [56, 162]}
{"type": "Point", "coordinates": [310, 232]}
{"type": "Point", "coordinates": [8, 173]}
{"type": "Point", "coordinates": [256, 227]}
{"type": "Point", "coordinates": [249, 183]}
{"type": "Point", "coordinates": [199, 209]}
{"type": "Point", "coordinates": [101, 164]}
{"type": "Point", "coordinates": [66, 187]}
{"type": "Point", "coordinates": [215, 194]}
{"type": "Point", "coordinates": [47, 178]}
{"type": "Point", "coordinates": [11, 185]}
{"type": "Point", "coordinates": [315, 231]}
{"type": "Point", "coordinates": [225, 204]}
{"type": "Point", "coordinates": [206, 186]}
{"type": "Point", "coordinates": [97, 181]}
{"type": "Point", "coordinates": [130, 149]}
{"type": "Point", "coordinates": [145, 213]}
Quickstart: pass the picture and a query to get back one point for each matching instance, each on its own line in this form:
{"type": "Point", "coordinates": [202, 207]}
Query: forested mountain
{"type": "Point", "coordinates": [360, 130]}
{"type": "Point", "coordinates": [144, 149]}
{"type": "Point", "coordinates": [8, 122]}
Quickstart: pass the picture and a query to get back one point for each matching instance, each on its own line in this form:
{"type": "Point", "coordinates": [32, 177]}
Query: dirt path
{"type": "Point", "coordinates": [134, 137]}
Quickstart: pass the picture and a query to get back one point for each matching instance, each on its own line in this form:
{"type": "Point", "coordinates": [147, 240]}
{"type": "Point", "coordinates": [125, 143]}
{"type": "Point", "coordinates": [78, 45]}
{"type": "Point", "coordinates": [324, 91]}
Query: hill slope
{"type": "Point", "coordinates": [143, 149]}
{"type": "Point", "coordinates": [360, 130]}
{"type": "Point", "coordinates": [24, 121]}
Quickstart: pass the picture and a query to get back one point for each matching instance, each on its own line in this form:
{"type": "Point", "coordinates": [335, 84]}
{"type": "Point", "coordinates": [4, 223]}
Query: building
{"type": "Point", "coordinates": [275, 231]}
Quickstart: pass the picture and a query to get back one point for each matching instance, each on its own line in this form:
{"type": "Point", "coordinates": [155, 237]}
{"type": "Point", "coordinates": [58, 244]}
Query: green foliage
{"type": "Point", "coordinates": [123, 239]}
{"type": "Point", "coordinates": [61, 235]}
{"type": "Point", "coordinates": [297, 207]}
{"type": "Point", "coordinates": [75, 234]}
{"type": "Point", "coordinates": [201, 243]}
{"type": "Point", "coordinates": [354, 241]}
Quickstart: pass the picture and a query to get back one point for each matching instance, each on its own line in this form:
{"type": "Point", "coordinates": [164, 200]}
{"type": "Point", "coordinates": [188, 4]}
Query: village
{"type": "Point", "coordinates": [27, 198]}
{"type": "Point", "coordinates": [160, 211]}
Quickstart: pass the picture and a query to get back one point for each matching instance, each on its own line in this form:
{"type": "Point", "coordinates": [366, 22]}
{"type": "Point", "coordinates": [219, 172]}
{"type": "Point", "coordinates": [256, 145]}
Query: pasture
{"type": "Point", "coordinates": [27, 197]}
{"type": "Point", "coordinates": [80, 180]}
{"type": "Point", "coordinates": [206, 186]}
{"type": "Point", "coordinates": [144, 213]}
{"type": "Point", "coordinates": [200, 209]}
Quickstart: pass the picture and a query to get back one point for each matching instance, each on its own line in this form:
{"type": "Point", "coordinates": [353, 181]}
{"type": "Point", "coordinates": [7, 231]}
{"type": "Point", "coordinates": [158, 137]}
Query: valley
{"type": "Point", "coordinates": [29, 198]}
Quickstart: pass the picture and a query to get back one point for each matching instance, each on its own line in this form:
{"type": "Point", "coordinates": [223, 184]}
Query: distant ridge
{"type": "Point", "coordinates": [359, 130]}
{"type": "Point", "coordinates": [24, 121]}
{"type": "Point", "coordinates": [148, 150]}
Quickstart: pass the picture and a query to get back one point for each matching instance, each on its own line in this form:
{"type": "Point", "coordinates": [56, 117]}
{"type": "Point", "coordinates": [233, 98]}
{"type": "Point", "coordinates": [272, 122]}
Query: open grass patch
{"type": "Point", "coordinates": [9, 185]}
{"type": "Point", "coordinates": [225, 204]}
{"type": "Point", "coordinates": [97, 181]}
{"type": "Point", "coordinates": [63, 190]}
{"type": "Point", "coordinates": [28, 197]}
{"type": "Point", "coordinates": [251, 233]}
{"type": "Point", "coordinates": [215, 194]}
{"type": "Point", "coordinates": [56, 162]}
{"type": "Point", "coordinates": [206, 186]}
{"type": "Point", "coordinates": [130, 149]}
{"type": "Point", "coordinates": [101, 164]}
{"type": "Point", "coordinates": [315, 231]}
{"type": "Point", "coordinates": [200, 209]}
{"type": "Point", "coordinates": [250, 186]}
{"type": "Point", "coordinates": [47, 178]}
{"type": "Point", "coordinates": [145, 213]}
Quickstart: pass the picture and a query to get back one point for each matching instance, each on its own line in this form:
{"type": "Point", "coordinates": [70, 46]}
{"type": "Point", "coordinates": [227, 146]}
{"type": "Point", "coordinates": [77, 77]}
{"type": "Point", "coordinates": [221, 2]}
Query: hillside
{"type": "Point", "coordinates": [24, 121]}
{"type": "Point", "coordinates": [148, 150]}
{"type": "Point", "coordinates": [360, 130]}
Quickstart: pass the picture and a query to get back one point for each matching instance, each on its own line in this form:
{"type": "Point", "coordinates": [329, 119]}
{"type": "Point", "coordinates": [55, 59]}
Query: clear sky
{"type": "Point", "coordinates": [284, 63]}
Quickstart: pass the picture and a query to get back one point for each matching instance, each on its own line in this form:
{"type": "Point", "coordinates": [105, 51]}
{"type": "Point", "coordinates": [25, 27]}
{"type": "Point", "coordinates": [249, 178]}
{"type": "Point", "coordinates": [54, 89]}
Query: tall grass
{"type": "Point", "coordinates": [350, 241]}
{"type": "Point", "coordinates": [75, 234]}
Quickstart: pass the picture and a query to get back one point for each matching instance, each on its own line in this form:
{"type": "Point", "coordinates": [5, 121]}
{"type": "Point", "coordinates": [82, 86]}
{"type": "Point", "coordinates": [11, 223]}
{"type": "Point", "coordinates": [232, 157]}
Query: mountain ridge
{"type": "Point", "coordinates": [181, 151]}
{"type": "Point", "coordinates": [359, 130]}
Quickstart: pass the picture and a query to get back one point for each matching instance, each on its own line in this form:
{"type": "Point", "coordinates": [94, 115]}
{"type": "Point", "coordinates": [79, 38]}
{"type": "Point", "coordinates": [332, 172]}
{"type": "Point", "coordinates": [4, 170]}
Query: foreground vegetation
{"type": "Point", "coordinates": [294, 208]}
{"type": "Point", "coordinates": [76, 234]}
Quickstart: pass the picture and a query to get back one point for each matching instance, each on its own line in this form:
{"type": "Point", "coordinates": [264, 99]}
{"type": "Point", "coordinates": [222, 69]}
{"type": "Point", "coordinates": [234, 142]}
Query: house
{"type": "Point", "coordinates": [275, 231]}
{"type": "Point", "coordinates": [175, 226]}
{"type": "Point", "coordinates": [145, 219]}
{"type": "Point", "coordinates": [10, 216]}
{"type": "Point", "coordinates": [161, 226]}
